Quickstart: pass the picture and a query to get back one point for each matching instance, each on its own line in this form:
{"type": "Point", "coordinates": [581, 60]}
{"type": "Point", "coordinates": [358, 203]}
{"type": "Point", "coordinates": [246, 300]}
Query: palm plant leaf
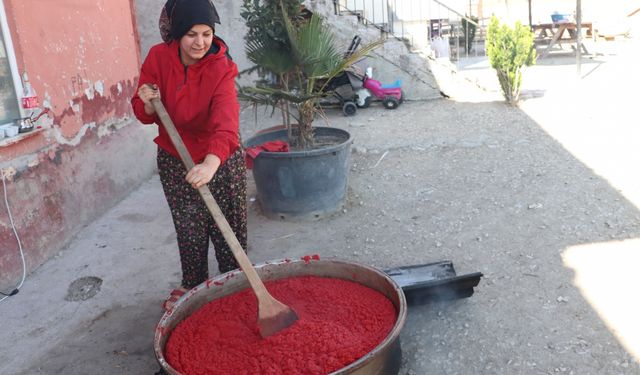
{"type": "Point", "coordinates": [346, 62]}
{"type": "Point", "coordinates": [269, 54]}
{"type": "Point", "coordinates": [313, 46]}
{"type": "Point", "coordinates": [271, 95]}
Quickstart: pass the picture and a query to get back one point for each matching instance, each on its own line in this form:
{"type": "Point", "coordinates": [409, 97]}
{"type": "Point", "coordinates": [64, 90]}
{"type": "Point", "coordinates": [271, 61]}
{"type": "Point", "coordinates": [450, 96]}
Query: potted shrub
{"type": "Point", "coordinates": [510, 50]}
{"type": "Point", "coordinates": [296, 56]}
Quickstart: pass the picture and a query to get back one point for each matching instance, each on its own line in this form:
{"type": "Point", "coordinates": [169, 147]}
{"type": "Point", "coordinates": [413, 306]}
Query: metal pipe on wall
{"type": "Point", "coordinates": [579, 37]}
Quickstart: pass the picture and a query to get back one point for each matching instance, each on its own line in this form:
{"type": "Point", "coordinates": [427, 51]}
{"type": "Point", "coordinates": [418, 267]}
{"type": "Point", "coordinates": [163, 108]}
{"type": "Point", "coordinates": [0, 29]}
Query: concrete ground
{"type": "Point", "coordinates": [544, 199]}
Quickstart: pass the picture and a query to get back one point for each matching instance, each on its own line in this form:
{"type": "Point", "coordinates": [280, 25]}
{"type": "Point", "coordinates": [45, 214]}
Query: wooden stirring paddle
{"type": "Point", "coordinates": [273, 315]}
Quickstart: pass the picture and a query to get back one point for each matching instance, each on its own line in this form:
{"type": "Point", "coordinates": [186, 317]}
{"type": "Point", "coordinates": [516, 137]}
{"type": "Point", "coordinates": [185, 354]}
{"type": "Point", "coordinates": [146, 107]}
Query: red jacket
{"type": "Point", "coordinates": [201, 100]}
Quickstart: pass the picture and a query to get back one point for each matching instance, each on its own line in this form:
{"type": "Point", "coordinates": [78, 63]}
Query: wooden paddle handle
{"type": "Point", "coordinates": [205, 193]}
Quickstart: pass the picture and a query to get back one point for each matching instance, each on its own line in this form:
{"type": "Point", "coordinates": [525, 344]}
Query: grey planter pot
{"type": "Point", "coordinates": [302, 184]}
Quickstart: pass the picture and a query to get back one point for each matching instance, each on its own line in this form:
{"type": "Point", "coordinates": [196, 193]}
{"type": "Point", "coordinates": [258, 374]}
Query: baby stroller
{"type": "Point", "coordinates": [343, 86]}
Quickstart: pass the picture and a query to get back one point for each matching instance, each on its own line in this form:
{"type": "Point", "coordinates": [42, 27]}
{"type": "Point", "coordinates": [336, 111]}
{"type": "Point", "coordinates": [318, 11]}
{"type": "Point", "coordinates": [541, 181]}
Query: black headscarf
{"type": "Point", "coordinates": [178, 16]}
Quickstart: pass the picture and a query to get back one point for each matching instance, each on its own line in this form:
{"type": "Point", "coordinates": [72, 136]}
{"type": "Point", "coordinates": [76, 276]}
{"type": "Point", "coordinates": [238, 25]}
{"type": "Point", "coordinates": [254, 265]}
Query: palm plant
{"type": "Point", "coordinates": [297, 67]}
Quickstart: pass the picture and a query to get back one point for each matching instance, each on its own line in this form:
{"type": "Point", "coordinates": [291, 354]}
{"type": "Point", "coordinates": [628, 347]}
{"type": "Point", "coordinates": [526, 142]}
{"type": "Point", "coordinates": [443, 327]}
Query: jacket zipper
{"type": "Point", "coordinates": [186, 67]}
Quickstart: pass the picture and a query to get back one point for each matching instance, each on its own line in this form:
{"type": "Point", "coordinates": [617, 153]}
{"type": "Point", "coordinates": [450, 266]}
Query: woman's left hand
{"type": "Point", "coordinates": [202, 173]}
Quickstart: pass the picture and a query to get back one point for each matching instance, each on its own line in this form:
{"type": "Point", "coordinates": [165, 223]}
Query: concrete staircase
{"type": "Point", "coordinates": [403, 56]}
{"type": "Point", "coordinates": [396, 59]}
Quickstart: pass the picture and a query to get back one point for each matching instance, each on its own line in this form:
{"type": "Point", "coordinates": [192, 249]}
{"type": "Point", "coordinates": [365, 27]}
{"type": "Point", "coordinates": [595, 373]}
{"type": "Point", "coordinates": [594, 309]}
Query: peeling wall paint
{"type": "Point", "coordinates": [99, 87]}
{"type": "Point", "coordinates": [86, 53]}
{"type": "Point", "coordinates": [95, 106]}
{"type": "Point", "coordinates": [76, 139]}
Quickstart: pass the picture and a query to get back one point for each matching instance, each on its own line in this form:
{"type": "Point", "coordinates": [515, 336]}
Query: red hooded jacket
{"type": "Point", "coordinates": [201, 100]}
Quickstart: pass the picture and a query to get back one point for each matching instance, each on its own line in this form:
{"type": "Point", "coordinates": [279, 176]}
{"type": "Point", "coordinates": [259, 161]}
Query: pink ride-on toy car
{"type": "Point", "coordinates": [391, 95]}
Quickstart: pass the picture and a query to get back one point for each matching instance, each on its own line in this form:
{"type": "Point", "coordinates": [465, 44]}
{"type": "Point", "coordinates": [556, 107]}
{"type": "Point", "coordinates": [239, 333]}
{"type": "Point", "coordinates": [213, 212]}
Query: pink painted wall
{"type": "Point", "coordinates": [75, 49]}
{"type": "Point", "coordinates": [83, 59]}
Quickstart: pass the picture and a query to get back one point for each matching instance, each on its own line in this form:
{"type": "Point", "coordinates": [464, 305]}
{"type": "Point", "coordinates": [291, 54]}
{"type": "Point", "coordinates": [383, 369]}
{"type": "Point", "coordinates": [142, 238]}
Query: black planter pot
{"type": "Point", "coordinates": [302, 184]}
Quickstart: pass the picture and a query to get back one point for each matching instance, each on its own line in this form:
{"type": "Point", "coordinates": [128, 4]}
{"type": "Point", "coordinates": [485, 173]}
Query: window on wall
{"type": "Point", "coordinates": [9, 105]}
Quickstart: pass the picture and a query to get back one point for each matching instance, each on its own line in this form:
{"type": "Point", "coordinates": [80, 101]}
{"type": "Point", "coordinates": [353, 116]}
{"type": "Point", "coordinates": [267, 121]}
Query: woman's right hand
{"type": "Point", "coordinates": [146, 93]}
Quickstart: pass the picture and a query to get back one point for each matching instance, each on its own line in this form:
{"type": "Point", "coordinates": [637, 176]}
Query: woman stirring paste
{"type": "Point", "coordinates": [194, 77]}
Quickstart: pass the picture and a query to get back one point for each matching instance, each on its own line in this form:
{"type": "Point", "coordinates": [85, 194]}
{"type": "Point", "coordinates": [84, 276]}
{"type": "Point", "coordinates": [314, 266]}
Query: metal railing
{"type": "Point", "coordinates": [421, 23]}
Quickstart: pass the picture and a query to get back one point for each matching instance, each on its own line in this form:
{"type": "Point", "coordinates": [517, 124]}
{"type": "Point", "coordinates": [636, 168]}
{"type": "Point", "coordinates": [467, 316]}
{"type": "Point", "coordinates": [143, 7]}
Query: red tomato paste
{"type": "Point", "coordinates": [339, 322]}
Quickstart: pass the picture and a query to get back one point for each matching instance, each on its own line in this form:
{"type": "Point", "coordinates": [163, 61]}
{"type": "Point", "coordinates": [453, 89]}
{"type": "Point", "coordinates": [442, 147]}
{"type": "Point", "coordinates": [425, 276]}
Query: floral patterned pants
{"type": "Point", "coordinates": [192, 220]}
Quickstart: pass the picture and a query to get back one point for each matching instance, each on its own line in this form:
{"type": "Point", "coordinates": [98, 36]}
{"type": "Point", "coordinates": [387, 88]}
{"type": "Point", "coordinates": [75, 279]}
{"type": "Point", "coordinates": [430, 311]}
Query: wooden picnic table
{"type": "Point", "coordinates": [554, 34]}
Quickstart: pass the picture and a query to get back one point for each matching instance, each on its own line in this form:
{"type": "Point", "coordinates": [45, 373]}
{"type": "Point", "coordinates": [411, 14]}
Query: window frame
{"type": "Point", "coordinates": [11, 57]}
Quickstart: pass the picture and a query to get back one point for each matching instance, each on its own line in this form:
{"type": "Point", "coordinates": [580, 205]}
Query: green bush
{"type": "Point", "coordinates": [509, 50]}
